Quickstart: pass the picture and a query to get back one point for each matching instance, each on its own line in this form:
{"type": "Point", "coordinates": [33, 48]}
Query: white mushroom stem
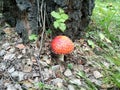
{"type": "Point", "coordinates": [61, 57]}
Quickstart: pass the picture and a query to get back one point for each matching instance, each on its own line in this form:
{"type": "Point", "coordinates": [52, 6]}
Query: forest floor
{"type": "Point", "coordinates": [93, 65]}
{"type": "Point", "coordinates": [21, 68]}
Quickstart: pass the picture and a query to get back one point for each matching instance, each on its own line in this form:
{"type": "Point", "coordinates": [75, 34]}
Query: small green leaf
{"type": "Point", "coordinates": [55, 14]}
{"type": "Point", "coordinates": [70, 66]}
{"type": "Point", "coordinates": [61, 20]}
{"type": "Point", "coordinates": [81, 74]}
{"type": "Point", "coordinates": [64, 16]}
{"type": "Point", "coordinates": [61, 10]}
{"type": "Point", "coordinates": [48, 32]}
{"type": "Point", "coordinates": [33, 37]}
{"type": "Point", "coordinates": [41, 85]}
{"type": "Point", "coordinates": [102, 36]}
{"type": "Point", "coordinates": [107, 40]}
{"type": "Point", "coordinates": [91, 43]}
{"type": "Point", "coordinates": [56, 24]}
{"type": "Point", "coordinates": [62, 27]}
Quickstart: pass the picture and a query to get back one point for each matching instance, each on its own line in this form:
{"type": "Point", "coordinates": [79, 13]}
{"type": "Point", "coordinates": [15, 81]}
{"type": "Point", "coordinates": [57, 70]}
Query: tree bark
{"type": "Point", "coordinates": [22, 14]}
{"type": "Point", "coordinates": [26, 16]}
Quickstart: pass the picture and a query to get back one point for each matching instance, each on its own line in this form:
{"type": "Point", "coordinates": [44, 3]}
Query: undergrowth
{"type": "Point", "coordinates": [104, 32]}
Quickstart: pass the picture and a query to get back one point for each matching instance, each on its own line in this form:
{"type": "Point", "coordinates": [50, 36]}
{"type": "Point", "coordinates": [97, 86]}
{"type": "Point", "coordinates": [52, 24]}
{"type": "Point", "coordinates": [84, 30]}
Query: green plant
{"type": "Point", "coordinates": [33, 37]}
{"type": "Point", "coordinates": [91, 43]}
{"type": "Point", "coordinates": [106, 17]}
{"type": "Point", "coordinates": [113, 72]}
{"type": "Point", "coordinates": [60, 18]}
{"type": "Point", "coordinates": [48, 32]}
{"type": "Point", "coordinates": [96, 38]}
{"type": "Point", "coordinates": [103, 38]}
{"type": "Point", "coordinates": [43, 86]}
{"type": "Point", "coordinates": [112, 78]}
{"type": "Point", "coordinates": [70, 66]}
{"type": "Point", "coordinates": [88, 82]}
{"type": "Point", "coordinates": [104, 31]}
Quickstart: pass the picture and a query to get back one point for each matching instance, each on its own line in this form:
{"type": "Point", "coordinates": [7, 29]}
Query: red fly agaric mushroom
{"type": "Point", "coordinates": [62, 45]}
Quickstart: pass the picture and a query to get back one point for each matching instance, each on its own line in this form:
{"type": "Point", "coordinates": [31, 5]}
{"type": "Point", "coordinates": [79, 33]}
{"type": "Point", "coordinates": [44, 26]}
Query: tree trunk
{"type": "Point", "coordinates": [27, 15]}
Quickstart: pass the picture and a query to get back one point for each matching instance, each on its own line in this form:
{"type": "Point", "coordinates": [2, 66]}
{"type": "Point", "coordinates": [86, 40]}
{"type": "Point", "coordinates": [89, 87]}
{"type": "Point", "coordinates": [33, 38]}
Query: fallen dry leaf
{"type": "Point", "coordinates": [8, 30]}
{"type": "Point", "coordinates": [33, 60]}
{"type": "Point", "coordinates": [82, 41]}
{"type": "Point", "coordinates": [27, 65]}
{"type": "Point", "coordinates": [20, 46]}
{"type": "Point", "coordinates": [27, 84]}
{"type": "Point", "coordinates": [27, 68]}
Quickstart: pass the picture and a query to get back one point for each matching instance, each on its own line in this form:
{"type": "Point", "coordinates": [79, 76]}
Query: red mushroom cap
{"type": "Point", "coordinates": [62, 45]}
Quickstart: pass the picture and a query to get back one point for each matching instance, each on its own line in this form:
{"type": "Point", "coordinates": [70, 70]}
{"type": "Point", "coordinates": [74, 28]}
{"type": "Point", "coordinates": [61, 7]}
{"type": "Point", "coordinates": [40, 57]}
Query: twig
{"type": "Point", "coordinates": [38, 7]}
{"type": "Point", "coordinates": [41, 41]}
{"type": "Point", "coordinates": [42, 4]}
{"type": "Point", "coordinates": [10, 77]}
{"type": "Point", "coordinates": [38, 59]}
{"type": "Point", "coordinates": [42, 35]}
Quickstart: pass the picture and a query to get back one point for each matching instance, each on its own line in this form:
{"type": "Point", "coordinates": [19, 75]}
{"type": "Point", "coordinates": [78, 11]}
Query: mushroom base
{"type": "Point", "coordinates": [61, 57]}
